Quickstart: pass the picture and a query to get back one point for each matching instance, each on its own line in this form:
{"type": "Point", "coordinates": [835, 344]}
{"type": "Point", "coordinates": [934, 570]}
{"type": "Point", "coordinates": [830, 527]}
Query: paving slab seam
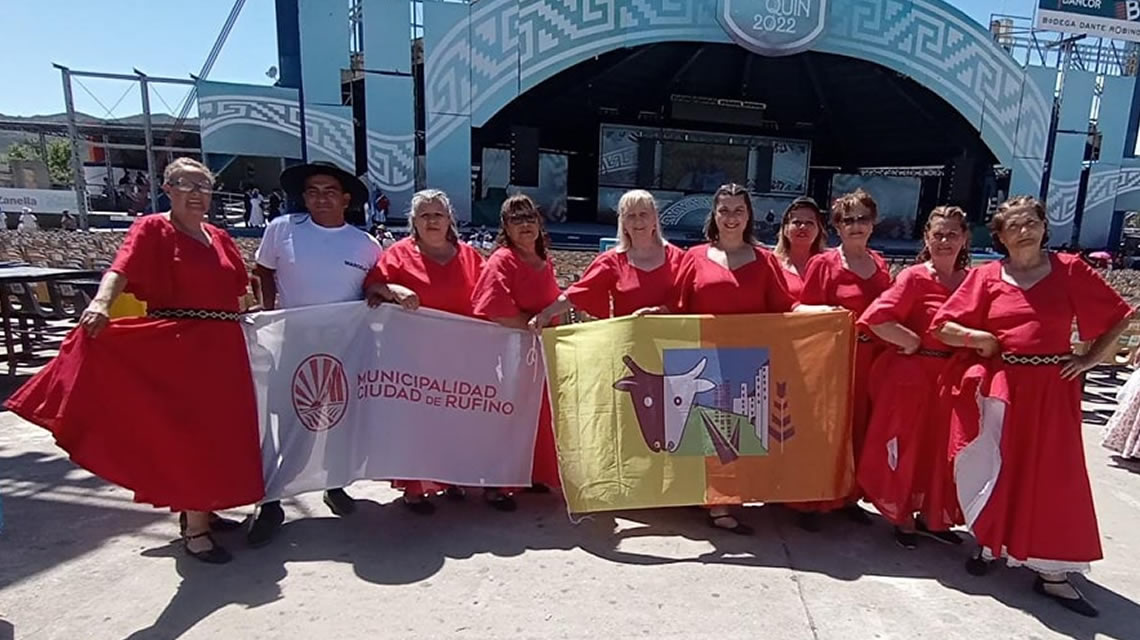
{"type": "Point", "coordinates": [796, 578]}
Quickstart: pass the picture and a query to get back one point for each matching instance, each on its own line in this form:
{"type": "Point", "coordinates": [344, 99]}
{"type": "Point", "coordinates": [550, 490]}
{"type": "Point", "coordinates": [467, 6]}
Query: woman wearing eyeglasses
{"type": "Point", "coordinates": [905, 469]}
{"type": "Point", "coordinates": [801, 238]}
{"type": "Point", "coordinates": [850, 276]}
{"type": "Point", "coordinates": [517, 283]}
{"type": "Point", "coordinates": [186, 438]}
{"type": "Point", "coordinates": [731, 274]}
{"type": "Point", "coordinates": [1019, 458]}
{"type": "Point", "coordinates": [433, 269]}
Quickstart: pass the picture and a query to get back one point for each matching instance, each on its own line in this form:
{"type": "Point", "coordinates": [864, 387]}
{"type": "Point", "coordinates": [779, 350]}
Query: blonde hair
{"type": "Point", "coordinates": [185, 164]}
{"type": "Point", "coordinates": [429, 196]}
{"type": "Point", "coordinates": [629, 200]}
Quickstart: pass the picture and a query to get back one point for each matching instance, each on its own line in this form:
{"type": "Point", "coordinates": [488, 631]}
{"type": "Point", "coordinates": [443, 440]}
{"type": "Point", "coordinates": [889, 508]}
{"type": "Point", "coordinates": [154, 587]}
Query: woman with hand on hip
{"type": "Point", "coordinates": [1019, 459]}
{"type": "Point", "coordinates": [634, 278]}
{"type": "Point", "coordinates": [731, 274]}
{"type": "Point", "coordinates": [905, 468]}
{"type": "Point", "coordinates": [187, 437]}
{"type": "Point", "coordinates": [516, 284]}
{"type": "Point", "coordinates": [429, 268]}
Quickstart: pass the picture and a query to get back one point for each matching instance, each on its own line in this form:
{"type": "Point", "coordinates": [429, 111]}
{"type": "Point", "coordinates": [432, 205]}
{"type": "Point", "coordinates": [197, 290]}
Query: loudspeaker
{"type": "Point", "coordinates": [961, 180]}
{"type": "Point", "coordinates": [524, 156]}
{"type": "Point", "coordinates": [646, 161]}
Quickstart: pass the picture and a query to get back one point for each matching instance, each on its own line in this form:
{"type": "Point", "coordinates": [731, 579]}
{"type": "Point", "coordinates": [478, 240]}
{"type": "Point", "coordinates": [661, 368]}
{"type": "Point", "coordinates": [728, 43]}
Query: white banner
{"type": "Point", "coordinates": [347, 393]}
{"type": "Point", "coordinates": [38, 200]}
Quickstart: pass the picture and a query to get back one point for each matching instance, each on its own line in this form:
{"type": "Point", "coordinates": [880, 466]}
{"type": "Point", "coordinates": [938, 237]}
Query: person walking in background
{"type": "Point", "coordinates": [256, 209]}
{"type": "Point", "coordinates": [185, 437]}
{"type": "Point", "coordinates": [27, 221]}
{"type": "Point", "coordinates": [67, 221]}
{"type": "Point", "coordinates": [1019, 459]}
{"type": "Point", "coordinates": [905, 468]}
{"type": "Point", "coordinates": [429, 268]}
{"type": "Point", "coordinates": [276, 202]}
{"type": "Point", "coordinates": [313, 258]}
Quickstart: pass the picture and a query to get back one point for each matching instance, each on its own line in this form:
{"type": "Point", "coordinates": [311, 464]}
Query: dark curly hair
{"type": "Point", "coordinates": [731, 190]}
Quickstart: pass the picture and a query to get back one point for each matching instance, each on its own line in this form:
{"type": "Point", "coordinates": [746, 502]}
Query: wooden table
{"type": "Point", "coordinates": [28, 275]}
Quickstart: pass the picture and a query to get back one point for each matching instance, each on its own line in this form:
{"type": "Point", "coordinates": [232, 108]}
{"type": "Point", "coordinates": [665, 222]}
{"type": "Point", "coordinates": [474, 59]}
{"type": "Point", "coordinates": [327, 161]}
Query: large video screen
{"type": "Point", "coordinates": [700, 161]}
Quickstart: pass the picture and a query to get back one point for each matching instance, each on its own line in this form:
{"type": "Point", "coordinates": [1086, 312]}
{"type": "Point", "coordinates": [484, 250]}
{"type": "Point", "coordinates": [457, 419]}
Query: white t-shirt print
{"type": "Point", "coordinates": [315, 264]}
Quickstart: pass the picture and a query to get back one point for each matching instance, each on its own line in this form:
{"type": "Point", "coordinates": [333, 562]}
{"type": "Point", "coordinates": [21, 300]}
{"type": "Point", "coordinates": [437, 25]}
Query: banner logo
{"type": "Point", "coordinates": [320, 392]}
{"type": "Point", "coordinates": [706, 402]}
{"type": "Point", "coordinates": [773, 27]}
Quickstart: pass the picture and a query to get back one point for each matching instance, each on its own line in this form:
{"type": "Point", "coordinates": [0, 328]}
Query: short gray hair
{"type": "Point", "coordinates": [429, 196]}
{"type": "Point", "coordinates": [185, 164]}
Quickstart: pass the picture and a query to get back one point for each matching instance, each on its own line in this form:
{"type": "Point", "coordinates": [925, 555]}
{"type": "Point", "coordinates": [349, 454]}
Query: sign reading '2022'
{"type": "Point", "coordinates": [773, 27]}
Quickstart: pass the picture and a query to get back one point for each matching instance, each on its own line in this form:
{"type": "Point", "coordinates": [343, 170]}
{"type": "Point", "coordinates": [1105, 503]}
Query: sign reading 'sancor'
{"type": "Point", "coordinates": [773, 27]}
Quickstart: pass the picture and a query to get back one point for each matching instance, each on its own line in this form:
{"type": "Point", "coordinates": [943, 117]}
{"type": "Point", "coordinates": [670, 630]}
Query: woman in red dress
{"type": "Point", "coordinates": [801, 238]}
{"type": "Point", "coordinates": [1016, 434]}
{"type": "Point", "coordinates": [433, 269]}
{"type": "Point", "coordinates": [905, 468]}
{"type": "Point", "coordinates": [517, 283]}
{"type": "Point", "coordinates": [186, 437]}
{"type": "Point", "coordinates": [850, 277]}
{"type": "Point", "coordinates": [731, 274]}
{"type": "Point", "coordinates": [634, 278]}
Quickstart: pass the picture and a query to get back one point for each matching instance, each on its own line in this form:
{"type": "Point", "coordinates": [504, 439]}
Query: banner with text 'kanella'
{"type": "Point", "coordinates": [347, 393]}
{"type": "Point", "coordinates": [690, 410]}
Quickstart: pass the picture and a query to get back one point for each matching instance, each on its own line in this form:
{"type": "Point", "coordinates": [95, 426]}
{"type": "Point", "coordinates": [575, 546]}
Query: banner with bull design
{"type": "Point", "coordinates": [347, 393]}
{"type": "Point", "coordinates": [691, 410]}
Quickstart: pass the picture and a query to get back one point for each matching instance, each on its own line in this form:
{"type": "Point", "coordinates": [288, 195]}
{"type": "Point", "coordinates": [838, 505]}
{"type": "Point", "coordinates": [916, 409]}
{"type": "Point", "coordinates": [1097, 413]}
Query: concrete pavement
{"type": "Point", "coordinates": [78, 559]}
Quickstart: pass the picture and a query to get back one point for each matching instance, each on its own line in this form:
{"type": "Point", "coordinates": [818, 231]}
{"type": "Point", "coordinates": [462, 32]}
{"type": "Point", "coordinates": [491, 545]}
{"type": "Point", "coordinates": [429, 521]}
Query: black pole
{"type": "Point", "coordinates": [301, 91]}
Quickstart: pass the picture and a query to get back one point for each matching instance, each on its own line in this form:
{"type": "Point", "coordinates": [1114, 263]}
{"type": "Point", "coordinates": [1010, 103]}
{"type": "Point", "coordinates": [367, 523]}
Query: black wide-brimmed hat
{"type": "Point", "coordinates": [293, 181]}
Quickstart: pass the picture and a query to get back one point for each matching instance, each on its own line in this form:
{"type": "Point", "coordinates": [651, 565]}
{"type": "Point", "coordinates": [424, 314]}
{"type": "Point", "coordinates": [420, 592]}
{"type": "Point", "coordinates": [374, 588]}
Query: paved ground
{"type": "Point", "coordinates": [79, 560]}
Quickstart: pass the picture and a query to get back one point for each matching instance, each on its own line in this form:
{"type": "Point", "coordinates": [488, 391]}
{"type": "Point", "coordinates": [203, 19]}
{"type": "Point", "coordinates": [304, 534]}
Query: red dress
{"type": "Point", "coordinates": [509, 287]}
{"type": "Point", "coordinates": [164, 408]}
{"type": "Point", "coordinates": [446, 287]}
{"type": "Point", "coordinates": [905, 467]}
{"type": "Point", "coordinates": [612, 287]}
{"type": "Point", "coordinates": [828, 282]}
{"type": "Point", "coordinates": [1016, 433]}
{"type": "Point", "coordinates": [795, 283]}
{"type": "Point", "coordinates": [706, 287]}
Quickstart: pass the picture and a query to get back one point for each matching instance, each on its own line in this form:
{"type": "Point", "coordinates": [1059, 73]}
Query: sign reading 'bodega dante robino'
{"type": "Point", "coordinates": [1116, 19]}
{"type": "Point", "coordinates": [773, 27]}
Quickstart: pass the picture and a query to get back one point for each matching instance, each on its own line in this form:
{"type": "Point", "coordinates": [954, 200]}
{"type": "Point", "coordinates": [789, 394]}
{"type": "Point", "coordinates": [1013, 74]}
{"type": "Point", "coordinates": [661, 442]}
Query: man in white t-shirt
{"type": "Point", "coordinates": [313, 258]}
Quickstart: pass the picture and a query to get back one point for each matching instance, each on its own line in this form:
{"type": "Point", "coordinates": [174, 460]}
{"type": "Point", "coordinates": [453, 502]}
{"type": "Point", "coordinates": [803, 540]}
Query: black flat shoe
{"type": "Point", "coordinates": [216, 554]}
{"type": "Point", "coordinates": [421, 507]}
{"type": "Point", "coordinates": [1077, 605]}
{"type": "Point", "coordinates": [500, 502]}
{"type": "Point", "coordinates": [455, 494]}
{"type": "Point", "coordinates": [906, 539]}
{"type": "Point", "coordinates": [978, 566]}
{"type": "Point", "coordinates": [739, 528]}
{"type": "Point", "coordinates": [218, 524]}
{"type": "Point", "coordinates": [339, 502]}
{"type": "Point", "coordinates": [945, 537]}
{"type": "Point", "coordinates": [856, 514]}
{"type": "Point", "coordinates": [810, 521]}
{"type": "Point", "coordinates": [268, 521]}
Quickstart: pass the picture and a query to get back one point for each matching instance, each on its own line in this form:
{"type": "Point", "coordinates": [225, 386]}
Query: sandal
{"type": "Point", "coordinates": [500, 501]}
{"type": "Point", "coordinates": [1077, 605]}
{"type": "Point", "coordinates": [216, 554]}
{"type": "Point", "coordinates": [739, 528]}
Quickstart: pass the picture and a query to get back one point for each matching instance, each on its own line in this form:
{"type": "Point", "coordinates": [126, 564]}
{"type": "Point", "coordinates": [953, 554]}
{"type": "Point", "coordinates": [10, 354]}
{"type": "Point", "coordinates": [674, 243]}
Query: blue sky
{"type": "Point", "coordinates": [165, 38]}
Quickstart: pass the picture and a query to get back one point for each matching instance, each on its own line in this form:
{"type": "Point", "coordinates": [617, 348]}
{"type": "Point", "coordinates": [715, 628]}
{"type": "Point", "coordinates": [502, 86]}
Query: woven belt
{"type": "Point", "coordinates": [933, 353]}
{"type": "Point", "coordinates": [1041, 360]}
{"type": "Point", "coordinates": [862, 337]}
{"type": "Point", "coordinates": [194, 314]}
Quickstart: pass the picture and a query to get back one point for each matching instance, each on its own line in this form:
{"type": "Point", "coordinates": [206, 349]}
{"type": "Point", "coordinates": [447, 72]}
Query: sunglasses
{"type": "Point", "coordinates": [850, 221]}
{"type": "Point", "coordinates": [522, 218]}
{"type": "Point", "coordinates": [191, 186]}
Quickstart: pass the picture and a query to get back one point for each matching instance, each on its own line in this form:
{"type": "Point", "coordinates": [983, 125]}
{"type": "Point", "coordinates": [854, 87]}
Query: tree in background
{"type": "Point", "coordinates": [58, 158]}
